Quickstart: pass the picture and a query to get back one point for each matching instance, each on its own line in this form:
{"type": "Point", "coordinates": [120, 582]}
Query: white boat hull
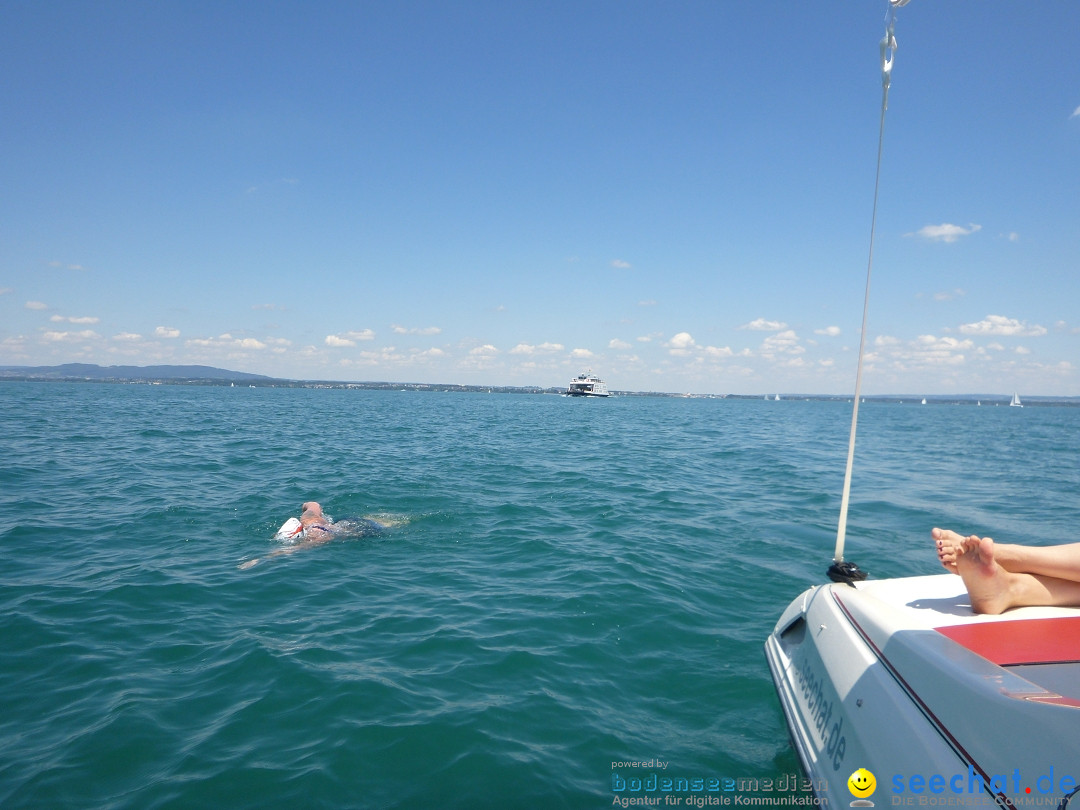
{"type": "Point", "coordinates": [899, 677]}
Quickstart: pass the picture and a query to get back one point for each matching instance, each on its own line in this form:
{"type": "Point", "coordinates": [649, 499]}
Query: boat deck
{"type": "Point", "coordinates": [1042, 644]}
{"type": "Point", "coordinates": [939, 600]}
{"type": "Point", "coordinates": [899, 676]}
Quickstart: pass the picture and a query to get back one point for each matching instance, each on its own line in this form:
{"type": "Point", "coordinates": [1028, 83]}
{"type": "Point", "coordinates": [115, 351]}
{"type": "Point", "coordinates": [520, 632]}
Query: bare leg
{"type": "Point", "coordinates": [993, 589]}
{"type": "Point", "coordinates": [1062, 562]}
{"type": "Point", "coordinates": [388, 521]}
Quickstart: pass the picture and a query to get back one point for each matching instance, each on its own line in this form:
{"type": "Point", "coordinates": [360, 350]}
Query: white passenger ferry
{"type": "Point", "coordinates": [587, 385]}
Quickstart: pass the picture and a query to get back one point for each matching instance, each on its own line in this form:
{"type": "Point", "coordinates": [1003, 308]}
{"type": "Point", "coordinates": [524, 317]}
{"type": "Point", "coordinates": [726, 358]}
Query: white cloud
{"type": "Point", "coordinates": [648, 302]}
{"type": "Point", "coordinates": [86, 321]}
{"type": "Point", "coordinates": [581, 354]}
{"type": "Point", "coordinates": [69, 337]}
{"type": "Point", "coordinates": [762, 325]}
{"type": "Point", "coordinates": [946, 342]}
{"type": "Point", "coordinates": [427, 330]}
{"type": "Point", "coordinates": [615, 343]}
{"type": "Point", "coordinates": [378, 357]}
{"type": "Point", "coordinates": [227, 341]}
{"type": "Point", "coordinates": [167, 332]}
{"type": "Point", "coordinates": [828, 331]}
{"type": "Point", "coordinates": [349, 338]}
{"type": "Point", "coordinates": [620, 264]}
{"type": "Point", "coordinates": [786, 343]}
{"type": "Point", "coordinates": [543, 348]}
{"type": "Point", "coordinates": [886, 340]}
{"type": "Point", "coordinates": [926, 351]}
{"type": "Point", "coordinates": [6, 290]}
{"type": "Point", "coordinates": [681, 344]}
{"type": "Point", "coordinates": [128, 337]}
{"type": "Point", "coordinates": [35, 305]}
{"type": "Point", "coordinates": [486, 350]}
{"type": "Point", "coordinates": [67, 266]}
{"type": "Point", "coordinates": [1076, 113]}
{"type": "Point", "coordinates": [946, 232]}
{"type": "Point", "coordinates": [948, 295]}
{"type": "Point", "coordinates": [272, 184]}
{"type": "Point", "coordinates": [1000, 325]}
{"type": "Point", "coordinates": [934, 350]}
{"type": "Point", "coordinates": [684, 345]}
{"type": "Point", "coordinates": [391, 356]}
{"type": "Point", "coordinates": [718, 352]}
{"type": "Point", "coordinates": [1023, 350]}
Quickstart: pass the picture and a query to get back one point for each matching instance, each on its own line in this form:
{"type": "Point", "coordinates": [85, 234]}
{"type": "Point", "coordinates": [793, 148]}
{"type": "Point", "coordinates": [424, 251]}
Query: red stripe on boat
{"type": "Point", "coordinates": [1021, 641]}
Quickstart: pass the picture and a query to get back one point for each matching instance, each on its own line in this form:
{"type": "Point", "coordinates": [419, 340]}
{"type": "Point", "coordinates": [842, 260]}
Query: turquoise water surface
{"type": "Point", "coordinates": [571, 585]}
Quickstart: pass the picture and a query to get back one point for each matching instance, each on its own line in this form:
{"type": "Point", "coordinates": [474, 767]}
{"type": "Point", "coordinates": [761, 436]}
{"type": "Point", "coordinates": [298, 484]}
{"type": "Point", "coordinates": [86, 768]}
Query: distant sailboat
{"type": "Point", "coordinates": [1016, 401]}
{"type": "Point", "coordinates": [924, 400]}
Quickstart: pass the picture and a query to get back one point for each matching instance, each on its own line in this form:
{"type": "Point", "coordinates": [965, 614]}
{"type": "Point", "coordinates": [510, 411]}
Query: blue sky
{"type": "Point", "coordinates": [676, 195]}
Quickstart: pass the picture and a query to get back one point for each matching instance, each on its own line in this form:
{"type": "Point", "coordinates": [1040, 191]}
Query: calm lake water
{"type": "Point", "coordinates": [572, 585]}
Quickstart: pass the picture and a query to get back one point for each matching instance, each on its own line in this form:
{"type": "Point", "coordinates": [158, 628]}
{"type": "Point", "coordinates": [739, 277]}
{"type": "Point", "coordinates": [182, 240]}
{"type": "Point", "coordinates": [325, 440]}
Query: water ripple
{"type": "Point", "coordinates": [571, 583]}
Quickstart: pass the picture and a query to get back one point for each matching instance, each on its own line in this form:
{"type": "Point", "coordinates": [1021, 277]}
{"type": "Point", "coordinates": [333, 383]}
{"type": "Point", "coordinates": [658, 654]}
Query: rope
{"type": "Point", "coordinates": [888, 56]}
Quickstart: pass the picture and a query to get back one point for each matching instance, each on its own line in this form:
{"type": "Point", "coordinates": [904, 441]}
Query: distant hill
{"type": "Point", "coordinates": [208, 375]}
{"type": "Point", "coordinates": [86, 371]}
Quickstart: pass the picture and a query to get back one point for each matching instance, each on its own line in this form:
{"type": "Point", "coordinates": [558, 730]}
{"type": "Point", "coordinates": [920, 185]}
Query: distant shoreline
{"type": "Point", "coordinates": [210, 376]}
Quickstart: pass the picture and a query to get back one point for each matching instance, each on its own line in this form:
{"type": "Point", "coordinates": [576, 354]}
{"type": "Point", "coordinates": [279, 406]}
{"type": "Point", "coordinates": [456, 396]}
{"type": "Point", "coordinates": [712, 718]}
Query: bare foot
{"type": "Point", "coordinates": [949, 547]}
{"type": "Point", "coordinates": [987, 583]}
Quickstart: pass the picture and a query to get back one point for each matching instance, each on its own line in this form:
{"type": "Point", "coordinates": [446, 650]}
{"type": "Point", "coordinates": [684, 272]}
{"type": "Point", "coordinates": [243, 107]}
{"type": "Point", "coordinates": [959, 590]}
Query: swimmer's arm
{"type": "Point", "coordinates": [257, 560]}
{"type": "Point", "coordinates": [305, 543]}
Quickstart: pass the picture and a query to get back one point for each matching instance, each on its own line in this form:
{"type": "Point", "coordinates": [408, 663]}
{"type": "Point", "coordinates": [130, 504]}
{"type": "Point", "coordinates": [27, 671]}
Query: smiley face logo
{"type": "Point", "coordinates": [862, 783]}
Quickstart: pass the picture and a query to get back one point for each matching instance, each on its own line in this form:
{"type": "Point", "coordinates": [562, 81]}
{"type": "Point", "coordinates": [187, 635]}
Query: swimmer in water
{"type": "Point", "coordinates": [314, 521]}
{"type": "Point", "coordinates": [999, 576]}
{"type": "Point", "coordinates": [315, 528]}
